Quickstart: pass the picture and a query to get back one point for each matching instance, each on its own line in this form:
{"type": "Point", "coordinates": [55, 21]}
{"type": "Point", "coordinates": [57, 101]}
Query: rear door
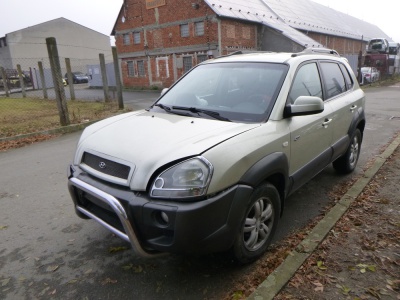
{"type": "Point", "coordinates": [343, 99]}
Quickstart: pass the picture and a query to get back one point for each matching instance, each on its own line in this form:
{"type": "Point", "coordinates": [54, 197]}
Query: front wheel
{"type": "Point", "coordinates": [347, 163]}
{"type": "Point", "coordinates": [259, 224]}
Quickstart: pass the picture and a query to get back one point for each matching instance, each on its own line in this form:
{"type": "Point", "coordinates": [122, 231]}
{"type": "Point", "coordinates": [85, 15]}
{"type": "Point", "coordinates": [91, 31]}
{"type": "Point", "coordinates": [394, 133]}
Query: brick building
{"type": "Point", "coordinates": [159, 40]}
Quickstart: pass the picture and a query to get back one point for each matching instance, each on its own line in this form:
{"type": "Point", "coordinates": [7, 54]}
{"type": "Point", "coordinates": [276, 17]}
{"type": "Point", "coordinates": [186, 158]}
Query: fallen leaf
{"type": "Point", "coordinates": [319, 286]}
{"type": "Point", "coordinates": [4, 282]}
{"type": "Point", "coordinates": [44, 291]}
{"type": "Point", "coordinates": [373, 292]}
{"type": "Point", "coordinates": [117, 249]}
{"type": "Point", "coordinates": [127, 267]}
{"type": "Point", "coordinates": [72, 281]}
{"type": "Point", "coordinates": [138, 269]}
{"type": "Point", "coordinates": [52, 268]}
{"type": "Point", "coordinates": [345, 290]}
{"type": "Point", "coordinates": [320, 265]}
{"type": "Point", "coordinates": [3, 227]}
{"type": "Point", "coordinates": [108, 281]}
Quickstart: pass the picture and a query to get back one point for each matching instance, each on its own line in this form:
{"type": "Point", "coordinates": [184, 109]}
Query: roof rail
{"type": "Point", "coordinates": [316, 51]}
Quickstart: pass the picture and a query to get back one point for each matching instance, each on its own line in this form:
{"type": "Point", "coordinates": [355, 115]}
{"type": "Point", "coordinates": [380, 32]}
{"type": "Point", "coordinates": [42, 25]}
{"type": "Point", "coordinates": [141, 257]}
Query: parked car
{"type": "Point", "coordinates": [370, 74]}
{"type": "Point", "coordinates": [77, 77]}
{"type": "Point", "coordinates": [208, 167]}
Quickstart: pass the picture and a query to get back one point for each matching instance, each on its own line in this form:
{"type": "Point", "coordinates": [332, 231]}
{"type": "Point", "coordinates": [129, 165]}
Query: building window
{"type": "Point", "coordinates": [201, 58]}
{"type": "Point", "coordinates": [136, 37]}
{"type": "Point", "coordinates": [127, 39]}
{"type": "Point", "coordinates": [184, 30]}
{"type": "Point", "coordinates": [131, 69]}
{"type": "Point", "coordinates": [140, 68]}
{"type": "Point", "coordinates": [187, 63]}
{"type": "Point", "coordinates": [199, 28]}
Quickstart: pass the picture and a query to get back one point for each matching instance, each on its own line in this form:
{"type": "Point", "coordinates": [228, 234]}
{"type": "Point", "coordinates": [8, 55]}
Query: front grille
{"type": "Point", "coordinates": [106, 166]}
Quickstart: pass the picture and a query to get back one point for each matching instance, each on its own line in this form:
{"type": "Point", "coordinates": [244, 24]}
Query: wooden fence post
{"type": "Point", "coordinates": [4, 76]}
{"type": "Point", "coordinates": [21, 81]}
{"type": "Point", "coordinates": [70, 80]}
{"type": "Point", "coordinates": [117, 78]}
{"type": "Point", "coordinates": [57, 80]}
{"type": "Point", "coordinates": [104, 77]}
{"type": "Point", "coordinates": [43, 80]}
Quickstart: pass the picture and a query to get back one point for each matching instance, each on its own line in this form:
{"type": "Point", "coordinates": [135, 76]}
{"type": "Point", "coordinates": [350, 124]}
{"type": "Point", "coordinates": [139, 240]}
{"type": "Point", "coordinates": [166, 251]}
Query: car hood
{"type": "Point", "coordinates": [147, 141]}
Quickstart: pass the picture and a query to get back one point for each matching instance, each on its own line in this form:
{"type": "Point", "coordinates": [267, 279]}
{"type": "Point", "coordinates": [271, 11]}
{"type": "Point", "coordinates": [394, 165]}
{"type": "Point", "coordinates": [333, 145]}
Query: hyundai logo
{"type": "Point", "coordinates": [102, 165]}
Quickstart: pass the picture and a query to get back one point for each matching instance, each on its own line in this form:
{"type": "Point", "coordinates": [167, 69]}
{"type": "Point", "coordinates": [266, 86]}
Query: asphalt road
{"type": "Point", "coordinates": [46, 251]}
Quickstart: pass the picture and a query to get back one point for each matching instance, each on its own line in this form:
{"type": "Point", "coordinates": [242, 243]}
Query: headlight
{"type": "Point", "coordinates": [189, 178]}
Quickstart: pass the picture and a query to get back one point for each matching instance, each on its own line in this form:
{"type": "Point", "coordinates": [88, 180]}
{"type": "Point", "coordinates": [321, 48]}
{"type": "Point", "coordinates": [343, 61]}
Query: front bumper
{"type": "Point", "coordinates": [152, 226]}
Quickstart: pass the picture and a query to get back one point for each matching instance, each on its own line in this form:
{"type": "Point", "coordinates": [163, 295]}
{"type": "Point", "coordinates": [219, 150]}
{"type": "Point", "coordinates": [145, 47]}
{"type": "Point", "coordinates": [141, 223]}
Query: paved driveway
{"type": "Point", "coordinates": [46, 251]}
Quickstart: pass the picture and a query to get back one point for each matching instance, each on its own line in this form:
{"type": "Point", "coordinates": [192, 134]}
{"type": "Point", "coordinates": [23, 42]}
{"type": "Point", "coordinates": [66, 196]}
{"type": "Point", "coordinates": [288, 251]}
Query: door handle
{"type": "Point", "coordinates": [326, 122]}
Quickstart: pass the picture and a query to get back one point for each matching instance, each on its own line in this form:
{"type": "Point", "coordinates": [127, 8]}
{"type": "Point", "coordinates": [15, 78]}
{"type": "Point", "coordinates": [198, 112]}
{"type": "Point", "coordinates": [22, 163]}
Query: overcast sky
{"type": "Point", "coordinates": [100, 15]}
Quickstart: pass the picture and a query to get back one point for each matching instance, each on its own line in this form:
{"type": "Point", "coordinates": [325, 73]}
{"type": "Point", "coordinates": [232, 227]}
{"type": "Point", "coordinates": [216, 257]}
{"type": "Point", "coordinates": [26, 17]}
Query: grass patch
{"type": "Point", "coordinates": [28, 115]}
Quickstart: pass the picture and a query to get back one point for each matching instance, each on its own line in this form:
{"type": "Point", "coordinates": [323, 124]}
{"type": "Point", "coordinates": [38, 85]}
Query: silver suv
{"type": "Point", "coordinates": [208, 166]}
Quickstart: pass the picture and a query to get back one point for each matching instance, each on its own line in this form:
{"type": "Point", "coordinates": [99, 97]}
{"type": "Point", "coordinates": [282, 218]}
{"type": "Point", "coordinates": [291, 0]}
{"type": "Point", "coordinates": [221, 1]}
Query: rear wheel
{"type": "Point", "coordinates": [259, 224]}
{"type": "Point", "coordinates": [347, 163]}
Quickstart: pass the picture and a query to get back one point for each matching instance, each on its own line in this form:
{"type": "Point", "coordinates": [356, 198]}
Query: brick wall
{"type": "Point", "coordinates": [155, 39]}
{"type": "Point", "coordinates": [340, 44]}
{"type": "Point", "coordinates": [237, 35]}
{"type": "Point", "coordinates": [160, 43]}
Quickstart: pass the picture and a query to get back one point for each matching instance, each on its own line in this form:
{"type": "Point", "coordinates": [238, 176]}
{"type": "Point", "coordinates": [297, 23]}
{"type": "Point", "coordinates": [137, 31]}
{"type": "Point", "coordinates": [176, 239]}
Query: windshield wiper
{"type": "Point", "coordinates": [196, 110]}
{"type": "Point", "coordinates": [164, 107]}
{"type": "Point", "coordinates": [169, 110]}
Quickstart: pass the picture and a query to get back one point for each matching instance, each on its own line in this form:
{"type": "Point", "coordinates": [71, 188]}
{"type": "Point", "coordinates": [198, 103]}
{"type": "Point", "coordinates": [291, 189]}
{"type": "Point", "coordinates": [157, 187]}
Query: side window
{"type": "Point", "coordinates": [334, 80]}
{"type": "Point", "coordinates": [306, 83]}
{"type": "Point", "coordinates": [347, 77]}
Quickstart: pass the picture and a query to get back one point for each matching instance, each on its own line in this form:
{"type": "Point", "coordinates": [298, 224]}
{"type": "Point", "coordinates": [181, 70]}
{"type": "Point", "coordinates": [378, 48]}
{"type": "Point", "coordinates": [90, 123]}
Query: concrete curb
{"type": "Point", "coordinates": [272, 285]}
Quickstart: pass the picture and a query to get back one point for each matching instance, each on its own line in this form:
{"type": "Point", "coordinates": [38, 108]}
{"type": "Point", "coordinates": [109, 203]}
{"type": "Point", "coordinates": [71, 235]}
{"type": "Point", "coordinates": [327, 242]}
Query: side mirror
{"type": "Point", "coordinates": [305, 105]}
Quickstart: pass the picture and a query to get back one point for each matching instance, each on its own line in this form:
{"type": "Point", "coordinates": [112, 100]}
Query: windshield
{"type": "Point", "coordinates": [241, 92]}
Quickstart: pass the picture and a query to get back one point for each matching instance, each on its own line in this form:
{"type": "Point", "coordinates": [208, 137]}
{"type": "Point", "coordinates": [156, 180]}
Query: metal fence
{"type": "Point", "coordinates": [62, 79]}
{"type": "Point", "coordinates": [36, 80]}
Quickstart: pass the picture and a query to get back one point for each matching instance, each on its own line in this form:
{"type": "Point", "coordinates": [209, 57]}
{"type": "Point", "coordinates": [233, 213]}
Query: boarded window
{"type": "Point", "coordinates": [230, 31]}
{"type": "Point", "coordinates": [140, 67]}
{"type": "Point", "coordinates": [131, 69]}
{"type": "Point", "coordinates": [246, 33]}
{"type": "Point", "coordinates": [184, 30]}
{"type": "Point", "coordinates": [136, 37]}
{"type": "Point", "coordinates": [187, 63]}
{"type": "Point", "coordinates": [201, 58]}
{"type": "Point", "coordinates": [127, 39]}
{"type": "Point", "coordinates": [199, 28]}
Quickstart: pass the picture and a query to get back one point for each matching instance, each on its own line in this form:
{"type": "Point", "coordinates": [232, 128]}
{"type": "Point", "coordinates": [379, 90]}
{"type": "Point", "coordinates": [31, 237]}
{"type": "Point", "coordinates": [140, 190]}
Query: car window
{"type": "Point", "coordinates": [237, 91]}
{"type": "Point", "coordinates": [307, 82]}
{"type": "Point", "coordinates": [347, 77]}
{"type": "Point", "coordinates": [334, 80]}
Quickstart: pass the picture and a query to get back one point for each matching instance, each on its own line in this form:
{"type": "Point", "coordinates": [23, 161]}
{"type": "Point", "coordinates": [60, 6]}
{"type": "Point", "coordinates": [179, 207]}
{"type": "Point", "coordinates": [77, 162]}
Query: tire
{"type": "Point", "coordinates": [348, 162]}
{"type": "Point", "coordinates": [258, 224]}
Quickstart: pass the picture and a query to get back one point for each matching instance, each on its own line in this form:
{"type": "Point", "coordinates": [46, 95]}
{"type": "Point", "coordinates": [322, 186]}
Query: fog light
{"type": "Point", "coordinates": [164, 217]}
